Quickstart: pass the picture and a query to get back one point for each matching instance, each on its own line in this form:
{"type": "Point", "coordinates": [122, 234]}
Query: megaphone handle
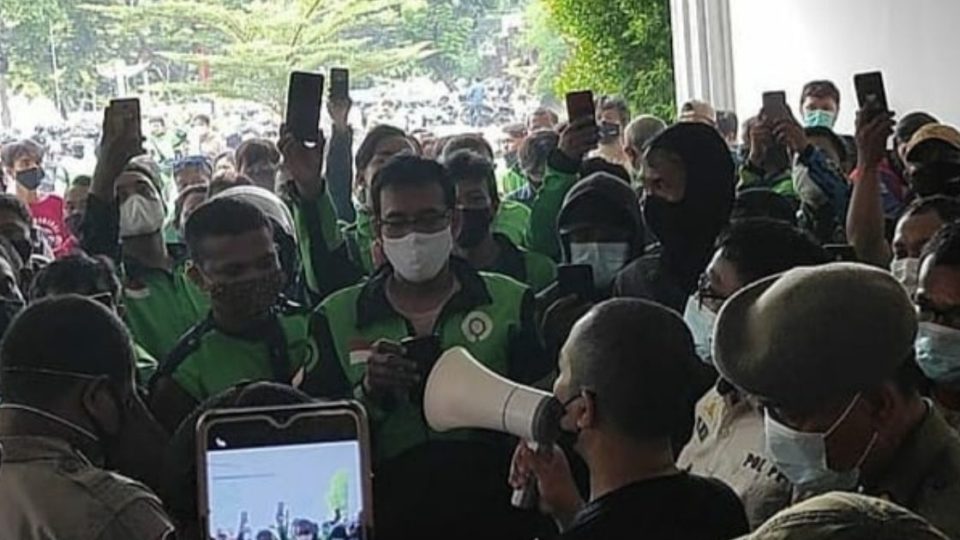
{"type": "Point", "coordinates": [526, 497]}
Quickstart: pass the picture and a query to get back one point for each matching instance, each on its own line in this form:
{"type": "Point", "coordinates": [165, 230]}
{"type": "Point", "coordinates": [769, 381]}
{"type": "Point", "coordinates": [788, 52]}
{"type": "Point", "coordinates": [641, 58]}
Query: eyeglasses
{"type": "Point", "coordinates": [707, 297]}
{"type": "Point", "coordinates": [424, 223]}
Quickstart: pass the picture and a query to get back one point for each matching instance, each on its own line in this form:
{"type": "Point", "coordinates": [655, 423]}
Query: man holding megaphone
{"type": "Point", "coordinates": [389, 331]}
{"type": "Point", "coordinates": [625, 383]}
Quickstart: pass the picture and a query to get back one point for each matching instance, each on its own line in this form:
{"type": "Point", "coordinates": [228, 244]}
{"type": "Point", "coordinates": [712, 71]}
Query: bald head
{"type": "Point", "coordinates": [633, 355]}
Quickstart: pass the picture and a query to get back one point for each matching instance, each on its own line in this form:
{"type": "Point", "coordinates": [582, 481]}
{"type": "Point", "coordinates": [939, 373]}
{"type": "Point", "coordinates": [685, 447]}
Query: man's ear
{"type": "Point", "coordinates": [196, 276]}
{"type": "Point", "coordinates": [99, 403]}
{"type": "Point", "coordinates": [587, 414]}
{"type": "Point", "coordinates": [456, 222]}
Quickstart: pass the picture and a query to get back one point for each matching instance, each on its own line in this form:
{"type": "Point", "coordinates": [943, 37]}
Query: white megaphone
{"type": "Point", "coordinates": [463, 393]}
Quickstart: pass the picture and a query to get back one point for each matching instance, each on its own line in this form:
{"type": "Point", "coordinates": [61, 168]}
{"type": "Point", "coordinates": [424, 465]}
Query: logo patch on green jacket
{"type": "Point", "coordinates": [477, 326]}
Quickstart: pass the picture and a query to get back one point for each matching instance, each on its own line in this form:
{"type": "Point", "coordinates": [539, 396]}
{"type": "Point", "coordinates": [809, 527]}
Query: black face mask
{"type": "Point", "coordinates": [74, 222]}
{"type": "Point", "coordinates": [939, 178]}
{"type": "Point", "coordinates": [30, 178]}
{"type": "Point", "coordinates": [476, 226]}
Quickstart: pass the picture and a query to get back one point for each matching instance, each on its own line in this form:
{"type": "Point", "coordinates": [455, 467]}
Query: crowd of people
{"type": "Point", "coordinates": [768, 345]}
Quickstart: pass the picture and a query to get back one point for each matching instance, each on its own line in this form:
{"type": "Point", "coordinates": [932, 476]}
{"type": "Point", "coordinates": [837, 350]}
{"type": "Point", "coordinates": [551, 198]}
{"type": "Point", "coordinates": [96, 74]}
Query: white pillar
{"type": "Point", "coordinates": [703, 52]}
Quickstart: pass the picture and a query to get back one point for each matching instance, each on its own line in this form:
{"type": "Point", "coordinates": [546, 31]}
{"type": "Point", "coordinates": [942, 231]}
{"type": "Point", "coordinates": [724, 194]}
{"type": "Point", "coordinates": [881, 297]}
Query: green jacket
{"type": "Point", "coordinates": [318, 234]}
{"type": "Point", "coordinates": [512, 181]}
{"type": "Point", "coordinates": [208, 360]}
{"type": "Point", "coordinates": [491, 316]}
{"type": "Point", "coordinates": [560, 177]}
{"type": "Point", "coordinates": [513, 221]}
{"type": "Point", "coordinates": [359, 238]}
{"type": "Point", "coordinates": [780, 183]}
{"type": "Point", "coordinates": [532, 269]}
{"type": "Point", "coordinates": [160, 306]}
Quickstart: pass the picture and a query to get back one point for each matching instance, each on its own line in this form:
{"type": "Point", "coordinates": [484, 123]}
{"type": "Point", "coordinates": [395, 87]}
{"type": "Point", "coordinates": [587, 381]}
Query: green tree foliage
{"type": "Point", "coordinates": [618, 47]}
{"type": "Point", "coordinates": [247, 50]}
{"type": "Point", "coordinates": [338, 495]}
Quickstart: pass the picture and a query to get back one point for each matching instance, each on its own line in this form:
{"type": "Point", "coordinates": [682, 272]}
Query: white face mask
{"type": "Point", "coordinates": [907, 272]}
{"type": "Point", "coordinates": [140, 215]}
{"type": "Point", "coordinates": [701, 322]}
{"type": "Point", "coordinates": [419, 257]}
{"type": "Point", "coordinates": [606, 260]}
{"type": "Point", "coordinates": [802, 456]}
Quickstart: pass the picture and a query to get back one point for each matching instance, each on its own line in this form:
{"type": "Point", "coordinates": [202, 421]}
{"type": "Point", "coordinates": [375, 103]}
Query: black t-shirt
{"type": "Point", "coordinates": [681, 506]}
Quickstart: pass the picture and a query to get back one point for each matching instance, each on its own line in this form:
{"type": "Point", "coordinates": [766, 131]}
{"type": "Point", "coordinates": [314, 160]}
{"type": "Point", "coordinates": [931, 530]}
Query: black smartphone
{"type": "Point", "coordinates": [425, 351]}
{"type": "Point", "coordinates": [580, 105]}
{"type": "Point", "coordinates": [339, 83]}
{"type": "Point", "coordinates": [295, 467]}
{"type": "Point", "coordinates": [304, 98]}
{"type": "Point", "coordinates": [128, 109]}
{"type": "Point", "coordinates": [575, 279]}
{"type": "Point", "coordinates": [775, 106]}
{"type": "Point", "coordinates": [871, 94]}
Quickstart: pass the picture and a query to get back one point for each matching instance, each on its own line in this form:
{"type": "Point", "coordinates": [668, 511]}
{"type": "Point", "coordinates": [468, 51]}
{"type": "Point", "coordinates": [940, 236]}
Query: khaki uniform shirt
{"type": "Point", "coordinates": [924, 476]}
{"type": "Point", "coordinates": [48, 490]}
{"type": "Point", "coordinates": [728, 444]}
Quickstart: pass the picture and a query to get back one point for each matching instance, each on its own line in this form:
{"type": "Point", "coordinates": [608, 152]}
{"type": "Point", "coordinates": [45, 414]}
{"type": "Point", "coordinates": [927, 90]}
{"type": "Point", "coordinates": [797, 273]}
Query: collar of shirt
{"type": "Point", "coordinates": [916, 459]}
{"type": "Point", "coordinates": [23, 449]}
{"type": "Point", "coordinates": [373, 305]}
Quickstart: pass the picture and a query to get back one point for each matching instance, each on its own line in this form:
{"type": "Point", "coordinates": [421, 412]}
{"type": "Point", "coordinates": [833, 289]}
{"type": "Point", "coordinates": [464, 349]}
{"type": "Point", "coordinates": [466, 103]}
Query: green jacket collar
{"type": "Point", "coordinates": [373, 306]}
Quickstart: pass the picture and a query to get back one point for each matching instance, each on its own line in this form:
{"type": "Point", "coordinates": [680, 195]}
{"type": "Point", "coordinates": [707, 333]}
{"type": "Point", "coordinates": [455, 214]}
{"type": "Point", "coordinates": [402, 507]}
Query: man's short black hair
{"type": "Point", "coordinates": [728, 124]}
{"type": "Point", "coordinates": [257, 151]}
{"type": "Point", "coordinates": [10, 203]}
{"type": "Point", "coordinates": [820, 89]}
{"type": "Point", "coordinates": [14, 151]}
{"type": "Point", "coordinates": [470, 141]}
{"type": "Point", "coordinates": [179, 487]}
{"type": "Point", "coordinates": [910, 124]}
{"type": "Point", "coordinates": [546, 111]}
{"type": "Point", "coordinates": [66, 334]}
{"type": "Point", "coordinates": [402, 171]}
{"type": "Point", "coordinates": [223, 216]}
{"type": "Point", "coordinates": [468, 165]}
{"type": "Point", "coordinates": [615, 103]}
{"type": "Point", "coordinates": [77, 273]}
{"type": "Point", "coordinates": [373, 139]}
{"type": "Point", "coordinates": [536, 148]}
{"type": "Point", "coordinates": [643, 381]}
{"type": "Point", "coordinates": [598, 164]}
{"type": "Point", "coordinates": [946, 208]}
{"type": "Point", "coordinates": [202, 118]}
{"type": "Point", "coordinates": [835, 141]}
{"type": "Point", "coordinates": [761, 247]}
{"type": "Point", "coordinates": [944, 247]}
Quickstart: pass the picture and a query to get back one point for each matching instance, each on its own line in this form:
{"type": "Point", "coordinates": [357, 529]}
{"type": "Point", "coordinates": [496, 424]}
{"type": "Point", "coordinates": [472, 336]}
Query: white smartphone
{"type": "Point", "coordinates": [289, 472]}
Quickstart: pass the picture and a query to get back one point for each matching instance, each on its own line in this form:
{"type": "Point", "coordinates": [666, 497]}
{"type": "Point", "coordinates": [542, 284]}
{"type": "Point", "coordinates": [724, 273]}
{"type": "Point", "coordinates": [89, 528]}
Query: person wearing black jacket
{"type": "Point", "coordinates": [689, 184]}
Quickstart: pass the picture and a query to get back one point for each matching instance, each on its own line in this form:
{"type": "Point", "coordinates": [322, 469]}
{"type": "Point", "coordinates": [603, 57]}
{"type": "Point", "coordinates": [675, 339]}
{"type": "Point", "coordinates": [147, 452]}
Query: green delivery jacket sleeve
{"type": "Point", "coordinates": [560, 177]}
{"type": "Point", "coordinates": [326, 262]}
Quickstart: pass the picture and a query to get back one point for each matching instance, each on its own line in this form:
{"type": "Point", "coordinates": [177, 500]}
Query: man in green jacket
{"type": "Point", "coordinates": [484, 249]}
{"type": "Point", "coordinates": [561, 173]}
{"type": "Point", "coordinates": [124, 221]}
{"type": "Point", "coordinates": [251, 332]}
{"type": "Point", "coordinates": [424, 292]}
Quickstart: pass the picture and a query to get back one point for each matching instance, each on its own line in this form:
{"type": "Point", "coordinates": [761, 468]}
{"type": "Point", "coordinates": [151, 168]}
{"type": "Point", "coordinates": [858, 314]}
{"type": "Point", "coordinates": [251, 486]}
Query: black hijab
{"type": "Point", "coordinates": [687, 230]}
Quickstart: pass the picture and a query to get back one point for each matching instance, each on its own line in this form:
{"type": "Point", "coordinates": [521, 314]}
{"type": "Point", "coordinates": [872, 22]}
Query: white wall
{"type": "Point", "coordinates": [781, 44]}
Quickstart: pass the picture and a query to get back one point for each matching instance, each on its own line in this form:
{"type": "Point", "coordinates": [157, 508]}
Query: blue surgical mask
{"type": "Point", "coordinates": [605, 259]}
{"type": "Point", "coordinates": [819, 118]}
{"type": "Point", "coordinates": [701, 321]}
{"type": "Point", "coordinates": [802, 456]}
{"type": "Point", "coordinates": [938, 352]}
